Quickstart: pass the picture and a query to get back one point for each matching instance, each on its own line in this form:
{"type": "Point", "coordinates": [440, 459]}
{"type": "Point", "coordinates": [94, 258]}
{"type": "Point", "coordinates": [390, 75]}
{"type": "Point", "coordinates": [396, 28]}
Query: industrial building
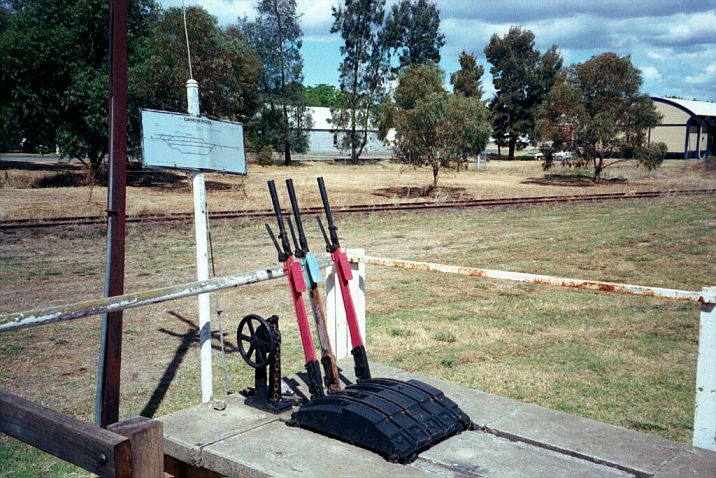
{"type": "Point", "coordinates": [687, 128]}
{"type": "Point", "coordinates": [325, 139]}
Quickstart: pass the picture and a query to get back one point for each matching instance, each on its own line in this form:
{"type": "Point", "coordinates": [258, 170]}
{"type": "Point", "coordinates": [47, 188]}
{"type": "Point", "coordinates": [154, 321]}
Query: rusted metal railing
{"type": "Point", "coordinates": [674, 294]}
{"type": "Point", "coordinates": [88, 308]}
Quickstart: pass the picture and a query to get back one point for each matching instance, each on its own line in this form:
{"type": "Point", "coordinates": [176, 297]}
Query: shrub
{"type": "Point", "coordinates": [265, 156]}
{"type": "Point", "coordinates": [651, 156]}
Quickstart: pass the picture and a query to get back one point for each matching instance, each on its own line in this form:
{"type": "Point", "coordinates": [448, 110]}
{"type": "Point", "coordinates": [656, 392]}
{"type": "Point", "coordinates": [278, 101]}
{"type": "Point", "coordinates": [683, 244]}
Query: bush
{"type": "Point", "coordinates": [651, 156]}
{"type": "Point", "coordinates": [265, 156]}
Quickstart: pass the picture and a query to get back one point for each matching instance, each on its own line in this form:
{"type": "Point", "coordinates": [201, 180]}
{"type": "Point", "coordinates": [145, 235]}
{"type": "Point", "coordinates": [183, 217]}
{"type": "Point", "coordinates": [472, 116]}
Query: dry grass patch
{"type": "Point", "coordinates": [379, 183]}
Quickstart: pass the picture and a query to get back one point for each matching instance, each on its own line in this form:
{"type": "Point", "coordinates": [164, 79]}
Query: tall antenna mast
{"type": "Point", "coordinates": [186, 35]}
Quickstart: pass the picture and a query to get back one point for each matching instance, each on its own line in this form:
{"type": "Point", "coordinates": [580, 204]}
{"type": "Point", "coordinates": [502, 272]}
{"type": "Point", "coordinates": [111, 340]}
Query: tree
{"type": "Point", "coordinates": [522, 77]}
{"type": "Point", "coordinates": [54, 70]}
{"type": "Point", "coordinates": [277, 36]}
{"type": "Point", "coordinates": [324, 95]}
{"type": "Point", "coordinates": [362, 71]}
{"type": "Point", "coordinates": [4, 16]}
{"type": "Point", "coordinates": [467, 79]}
{"type": "Point", "coordinates": [600, 103]}
{"type": "Point", "coordinates": [412, 31]}
{"type": "Point", "coordinates": [222, 63]}
{"type": "Point", "coordinates": [433, 126]}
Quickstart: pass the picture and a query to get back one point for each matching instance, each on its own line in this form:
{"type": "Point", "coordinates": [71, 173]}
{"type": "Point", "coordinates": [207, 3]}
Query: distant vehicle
{"type": "Point", "coordinates": [559, 155]}
{"type": "Point", "coordinates": [563, 155]}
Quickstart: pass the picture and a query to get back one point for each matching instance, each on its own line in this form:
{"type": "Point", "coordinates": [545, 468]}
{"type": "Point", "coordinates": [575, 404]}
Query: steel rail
{"type": "Point", "coordinates": [674, 294]}
{"type": "Point", "coordinates": [10, 224]}
{"type": "Point", "coordinates": [21, 320]}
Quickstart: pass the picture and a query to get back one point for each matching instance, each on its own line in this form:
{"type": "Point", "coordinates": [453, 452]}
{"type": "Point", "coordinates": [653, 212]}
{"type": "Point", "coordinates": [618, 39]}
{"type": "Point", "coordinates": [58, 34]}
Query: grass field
{"type": "Point", "coordinates": [622, 359]}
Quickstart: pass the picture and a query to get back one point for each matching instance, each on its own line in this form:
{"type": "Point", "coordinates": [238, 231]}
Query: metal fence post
{"type": "Point", "coordinates": [357, 285]}
{"type": "Point", "coordinates": [705, 413]}
{"type": "Point", "coordinates": [202, 257]}
{"type": "Point", "coordinates": [335, 315]}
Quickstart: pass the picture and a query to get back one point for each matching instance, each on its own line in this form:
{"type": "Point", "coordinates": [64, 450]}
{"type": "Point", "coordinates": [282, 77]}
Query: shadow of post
{"type": "Point", "coordinates": [187, 339]}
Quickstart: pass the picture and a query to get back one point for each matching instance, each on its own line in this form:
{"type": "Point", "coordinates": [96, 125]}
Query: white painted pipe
{"type": "Point", "coordinates": [202, 274]}
{"type": "Point", "coordinates": [202, 258]}
{"type": "Point", "coordinates": [192, 97]}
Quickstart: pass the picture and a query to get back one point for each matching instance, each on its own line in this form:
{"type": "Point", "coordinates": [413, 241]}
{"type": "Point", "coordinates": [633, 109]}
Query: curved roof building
{"type": "Point", "coordinates": [688, 127]}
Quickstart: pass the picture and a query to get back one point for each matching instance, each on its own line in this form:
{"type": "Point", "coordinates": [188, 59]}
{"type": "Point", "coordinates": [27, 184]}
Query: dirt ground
{"type": "Point", "coordinates": [33, 191]}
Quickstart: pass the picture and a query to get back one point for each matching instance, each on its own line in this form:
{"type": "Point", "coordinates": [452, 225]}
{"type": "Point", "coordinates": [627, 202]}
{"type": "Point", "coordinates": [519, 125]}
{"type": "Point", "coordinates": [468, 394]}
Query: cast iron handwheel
{"type": "Point", "coordinates": [257, 346]}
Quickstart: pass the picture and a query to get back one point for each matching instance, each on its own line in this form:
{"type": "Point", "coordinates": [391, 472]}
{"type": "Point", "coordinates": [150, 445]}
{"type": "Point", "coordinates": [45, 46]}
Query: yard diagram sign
{"type": "Point", "coordinates": [182, 141]}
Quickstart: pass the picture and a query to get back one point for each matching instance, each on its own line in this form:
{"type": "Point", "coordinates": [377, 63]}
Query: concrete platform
{"type": "Point", "coordinates": [512, 439]}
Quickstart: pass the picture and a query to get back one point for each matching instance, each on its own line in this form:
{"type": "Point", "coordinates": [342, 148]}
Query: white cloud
{"type": "Point", "coordinates": [227, 11]}
{"type": "Point", "coordinates": [650, 73]}
{"type": "Point", "coordinates": [706, 77]}
{"type": "Point", "coordinates": [673, 42]}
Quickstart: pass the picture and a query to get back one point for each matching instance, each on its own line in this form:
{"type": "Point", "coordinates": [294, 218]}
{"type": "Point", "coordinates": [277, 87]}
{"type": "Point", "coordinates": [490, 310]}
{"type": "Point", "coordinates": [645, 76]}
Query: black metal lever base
{"type": "Point", "coordinates": [393, 418]}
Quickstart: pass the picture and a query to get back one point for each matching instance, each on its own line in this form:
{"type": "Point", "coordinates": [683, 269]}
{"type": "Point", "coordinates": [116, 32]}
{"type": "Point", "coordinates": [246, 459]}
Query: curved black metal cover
{"type": "Point", "coordinates": [393, 418]}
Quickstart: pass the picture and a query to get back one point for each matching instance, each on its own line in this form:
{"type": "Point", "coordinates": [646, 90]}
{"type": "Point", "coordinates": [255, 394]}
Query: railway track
{"type": "Point", "coordinates": [10, 224]}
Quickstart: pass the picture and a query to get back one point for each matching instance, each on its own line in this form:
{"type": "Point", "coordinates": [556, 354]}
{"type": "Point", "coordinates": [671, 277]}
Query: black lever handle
{"type": "Point", "coordinates": [332, 229]}
{"type": "Point", "coordinates": [279, 218]}
{"type": "Point", "coordinates": [324, 198]}
{"type": "Point", "coordinates": [281, 255]}
{"type": "Point", "coordinates": [297, 215]}
{"type": "Point", "coordinates": [297, 248]}
{"type": "Point", "coordinates": [325, 236]}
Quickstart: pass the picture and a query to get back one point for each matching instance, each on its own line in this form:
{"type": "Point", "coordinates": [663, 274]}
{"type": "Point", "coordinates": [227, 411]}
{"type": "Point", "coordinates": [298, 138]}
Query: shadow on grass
{"type": "Point", "coordinates": [188, 339]}
{"type": "Point", "coordinates": [70, 175]}
{"type": "Point", "coordinates": [571, 180]}
{"type": "Point", "coordinates": [407, 192]}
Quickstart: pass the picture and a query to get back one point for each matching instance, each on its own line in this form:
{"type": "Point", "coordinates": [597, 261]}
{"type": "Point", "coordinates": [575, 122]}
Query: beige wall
{"type": "Point", "coordinates": [672, 136]}
{"type": "Point", "coordinates": [672, 114]}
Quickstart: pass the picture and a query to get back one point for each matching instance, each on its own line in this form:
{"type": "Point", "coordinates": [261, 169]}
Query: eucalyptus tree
{"type": "Point", "coordinates": [436, 128]}
{"type": "Point", "coordinates": [599, 103]}
{"type": "Point", "coordinates": [363, 70]}
{"type": "Point", "coordinates": [277, 37]}
{"type": "Point", "coordinates": [522, 77]}
{"type": "Point", "coordinates": [412, 31]}
{"type": "Point", "coordinates": [467, 79]}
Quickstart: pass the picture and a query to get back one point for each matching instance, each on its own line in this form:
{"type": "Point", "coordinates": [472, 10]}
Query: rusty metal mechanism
{"type": "Point", "coordinates": [393, 418]}
{"type": "Point", "coordinates": [259, 343]}
{"type": "Point", "coordinates": [297, 284]}
{"type": "Point", "coordinates": [343, 270]}
{"type": "Point", "coordinates": [313, 277]}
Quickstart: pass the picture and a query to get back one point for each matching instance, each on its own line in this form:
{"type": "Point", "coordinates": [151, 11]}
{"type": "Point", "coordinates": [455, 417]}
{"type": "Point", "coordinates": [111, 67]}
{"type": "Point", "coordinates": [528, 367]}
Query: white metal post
{"type": "Point", "coordinates": [192, 97]}
{"type": "Point", "coordinates": [202, 259]}
{"type": "Point", "coordinates": [357, 285]}
{"type": "Point", "coordinates": [705, 413]}
{"type": "Point", "coordinates": [335, 313]}
{"type": "Point", "coordinates": [335, 316]}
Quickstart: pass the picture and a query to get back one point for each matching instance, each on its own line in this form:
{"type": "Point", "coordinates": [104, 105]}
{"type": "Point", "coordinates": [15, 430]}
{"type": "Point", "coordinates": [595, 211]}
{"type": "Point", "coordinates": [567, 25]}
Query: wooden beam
{"type": "Point", "coordinates": [99, 451]}
{"type": "Point", "coordinates": [147, 442]}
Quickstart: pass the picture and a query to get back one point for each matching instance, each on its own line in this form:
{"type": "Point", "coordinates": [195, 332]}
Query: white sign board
{"type": "Point", "coordinates": [182, 141]}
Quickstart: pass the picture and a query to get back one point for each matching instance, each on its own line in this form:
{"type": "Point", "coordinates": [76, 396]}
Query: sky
{"type": "Point", "coordinates": [672, 42]}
